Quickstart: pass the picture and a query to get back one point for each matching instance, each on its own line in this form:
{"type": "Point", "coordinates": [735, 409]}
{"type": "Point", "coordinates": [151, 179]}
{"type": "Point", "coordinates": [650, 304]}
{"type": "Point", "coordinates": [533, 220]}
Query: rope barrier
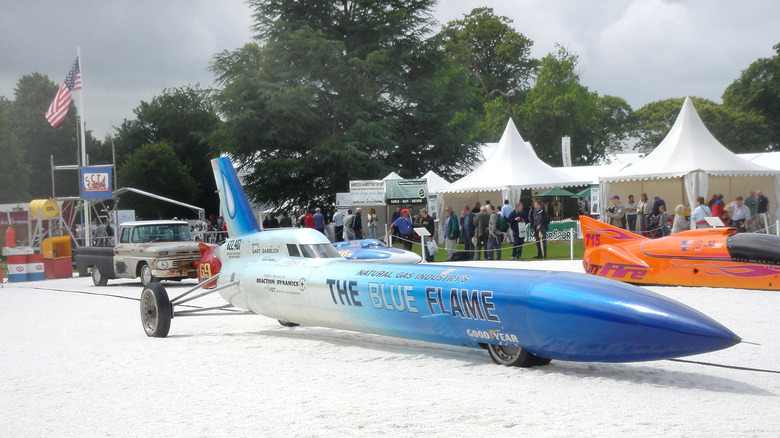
{"type": "Point", "coordinates": [417, 242]}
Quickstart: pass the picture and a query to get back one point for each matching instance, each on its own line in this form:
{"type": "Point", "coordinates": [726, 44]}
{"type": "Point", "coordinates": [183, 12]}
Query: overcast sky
{"type": "Point", "coordinates": [640, 50]}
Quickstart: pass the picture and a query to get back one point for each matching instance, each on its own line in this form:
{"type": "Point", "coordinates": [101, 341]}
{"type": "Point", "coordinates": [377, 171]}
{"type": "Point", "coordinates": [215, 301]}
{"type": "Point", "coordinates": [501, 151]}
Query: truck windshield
{"type": "Point", "coordinates": [161, 233]}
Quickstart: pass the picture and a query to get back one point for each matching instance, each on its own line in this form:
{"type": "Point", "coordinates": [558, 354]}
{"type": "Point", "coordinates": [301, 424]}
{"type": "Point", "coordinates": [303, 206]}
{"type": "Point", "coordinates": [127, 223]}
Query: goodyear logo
{"type": "Point", "coordinates": [492, 335]}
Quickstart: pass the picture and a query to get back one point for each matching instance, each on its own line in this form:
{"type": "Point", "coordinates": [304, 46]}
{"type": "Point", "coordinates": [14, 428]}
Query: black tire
{"type": "Point", "coordinates": [541, 361]}
{"type": "Point", "coordinates": [156, 311]}
{"type": "Point", "coordinates": [288, 323]}
{"type": "Point", "coordinates": [98, 279]}
{"type": "Point", "coordinates": [511, 356]}
{"type": "Point", "coordinates": [146, 276]}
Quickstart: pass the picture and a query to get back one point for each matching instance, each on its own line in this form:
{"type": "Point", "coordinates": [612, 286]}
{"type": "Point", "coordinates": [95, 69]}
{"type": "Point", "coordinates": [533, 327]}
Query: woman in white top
{"type": "Point", "coordinates": [371, 219]}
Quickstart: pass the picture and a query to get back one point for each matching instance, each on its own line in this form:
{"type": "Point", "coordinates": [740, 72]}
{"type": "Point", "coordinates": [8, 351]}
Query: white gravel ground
{"type": "Point", "coordinates": [76, 362]}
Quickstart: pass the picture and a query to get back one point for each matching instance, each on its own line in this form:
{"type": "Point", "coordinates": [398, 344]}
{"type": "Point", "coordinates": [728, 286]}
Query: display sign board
{"type": "Point", "coordinates": [406, 191]}
{"type": "Point", "coordinates": [566, 151]}
{"type": "Point", "coordinates": [96, 182]}
{"type": "Point", "coordinates": [367, 192]}
{"type": "Point", "coordinates": [594, 200]}
{"type": "Point", "coordinates": [559, 230]}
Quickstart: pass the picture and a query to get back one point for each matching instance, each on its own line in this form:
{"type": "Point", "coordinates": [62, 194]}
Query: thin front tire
{"type": "Point", "coordinates": [156, 311]}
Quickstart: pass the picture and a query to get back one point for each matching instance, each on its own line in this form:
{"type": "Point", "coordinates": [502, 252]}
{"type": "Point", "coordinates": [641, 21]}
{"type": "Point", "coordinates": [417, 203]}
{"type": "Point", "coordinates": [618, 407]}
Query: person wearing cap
{"type": "Point", "coordinates": [404, 227]}
{"type": "Point", "coordinates": [617, 213]}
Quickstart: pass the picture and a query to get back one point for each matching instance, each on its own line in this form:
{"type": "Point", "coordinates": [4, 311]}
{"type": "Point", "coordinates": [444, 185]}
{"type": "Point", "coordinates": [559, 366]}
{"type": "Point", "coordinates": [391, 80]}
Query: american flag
{"type": "Point", "coordinates": [59, 106]}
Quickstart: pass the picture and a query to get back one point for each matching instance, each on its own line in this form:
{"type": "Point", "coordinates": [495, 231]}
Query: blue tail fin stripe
{"type": "Point", "coordinates": [240, 218]}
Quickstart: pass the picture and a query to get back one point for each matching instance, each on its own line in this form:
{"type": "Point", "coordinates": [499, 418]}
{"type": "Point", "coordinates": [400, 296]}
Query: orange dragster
{"type": "Point", "coordinates": [715, 257]}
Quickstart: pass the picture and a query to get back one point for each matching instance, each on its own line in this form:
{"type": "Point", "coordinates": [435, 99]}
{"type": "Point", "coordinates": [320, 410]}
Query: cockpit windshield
{"type": "Point", "coordinates": [316, 251]}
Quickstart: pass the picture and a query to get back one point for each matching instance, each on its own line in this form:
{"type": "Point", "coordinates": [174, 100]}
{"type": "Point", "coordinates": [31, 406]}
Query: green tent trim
{"type": "Point", "coordinates": [556, 191]}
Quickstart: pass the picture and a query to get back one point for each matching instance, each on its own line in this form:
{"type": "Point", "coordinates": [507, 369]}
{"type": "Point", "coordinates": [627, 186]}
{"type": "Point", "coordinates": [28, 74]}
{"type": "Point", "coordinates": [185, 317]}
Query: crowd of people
{"type": "Point", "coordinates": [483, 228]}
{"type": "Point", "coordinates": [347, 225]}
{"type": "Point", "coordinates": [651, 219]}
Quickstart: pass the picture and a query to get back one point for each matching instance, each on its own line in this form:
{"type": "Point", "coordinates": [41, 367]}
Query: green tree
{"type": "Point", "coordinates": [155, 168]}
{"type": "Point", "coordinates": [183, 118]}
{"type": "Point", "coordinates": [39, 141]}
{"type": "Point", "coordinates": [13, 170]}
{"type": "Point", "coordinates": [558, 105]}
{"type": "Point", "coordinates": [738, 130]}
{"type": "Point", "coordinates": [496, 55]}
{"type": "Point", "coordinates": [757, 91]}
{"type": "Point", "coordinates": [336, 91]}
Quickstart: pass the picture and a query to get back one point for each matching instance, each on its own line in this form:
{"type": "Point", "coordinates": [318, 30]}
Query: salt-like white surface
{"type": "Point", "coordinates": [76, 362]}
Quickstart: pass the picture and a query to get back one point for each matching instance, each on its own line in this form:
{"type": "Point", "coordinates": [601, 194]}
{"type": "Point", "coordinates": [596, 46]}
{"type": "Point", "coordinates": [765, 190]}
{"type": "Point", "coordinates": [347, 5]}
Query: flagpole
{"type": "Point", "coordinates": [87, 222]}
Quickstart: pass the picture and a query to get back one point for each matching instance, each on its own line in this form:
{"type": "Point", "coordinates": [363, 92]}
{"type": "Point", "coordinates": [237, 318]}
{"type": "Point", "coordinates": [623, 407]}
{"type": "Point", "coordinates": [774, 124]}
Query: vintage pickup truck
{"type": "Point", "coordinates": [149, 250]}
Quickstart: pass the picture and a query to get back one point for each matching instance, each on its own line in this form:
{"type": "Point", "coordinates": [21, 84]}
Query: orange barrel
{"type": "Point", "coordinates": [17, 267]}
{"type": "Point", "coordinates": [35, 267]}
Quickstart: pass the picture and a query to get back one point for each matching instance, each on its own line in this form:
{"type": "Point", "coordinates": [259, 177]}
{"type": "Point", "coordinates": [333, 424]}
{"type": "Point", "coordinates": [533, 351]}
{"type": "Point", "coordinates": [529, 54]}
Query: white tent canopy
{"type": "Point", "coordinates": [512, 167]}
{"type": "Point", "coordinates": [592, 173]}
{"type": "Point", "coordinates": [690, 159]}
{"type": "Point", "coordinates": [392, 175]}
{"type": "Point", "coordinates": [435, 182]}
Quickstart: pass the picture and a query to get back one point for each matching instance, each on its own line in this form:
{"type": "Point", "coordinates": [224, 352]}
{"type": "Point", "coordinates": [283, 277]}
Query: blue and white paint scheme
{"type": "Point", "coordinates": [373, 250]}
{"type": "Point", "coordinates": [522, 318]}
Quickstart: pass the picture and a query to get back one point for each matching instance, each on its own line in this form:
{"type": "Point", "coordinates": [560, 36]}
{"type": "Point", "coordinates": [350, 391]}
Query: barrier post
{"type": "Point", "coordinates": [571, 243]}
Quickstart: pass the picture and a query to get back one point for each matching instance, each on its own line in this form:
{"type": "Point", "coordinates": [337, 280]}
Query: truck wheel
{"type": "Point", "coordinates": [98, 279]}
{"type": "Point", "coordinates": [156, 311]}
{"type": "Point", "coordinates": [147, 278]}
{"type": "Point", "coordinates": [511, 356]}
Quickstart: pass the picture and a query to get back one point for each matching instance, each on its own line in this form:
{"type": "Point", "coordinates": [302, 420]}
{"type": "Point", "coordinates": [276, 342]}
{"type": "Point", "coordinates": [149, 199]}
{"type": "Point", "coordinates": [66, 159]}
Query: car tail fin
{"type": "Point", "coordinates": [597, 233]}
{"type": "Point", "coordinates": [239, 217]}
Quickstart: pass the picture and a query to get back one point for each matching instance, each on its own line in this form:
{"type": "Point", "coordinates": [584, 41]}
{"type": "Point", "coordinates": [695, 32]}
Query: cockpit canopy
{"type": "Point", "coordinates": [312, 250]}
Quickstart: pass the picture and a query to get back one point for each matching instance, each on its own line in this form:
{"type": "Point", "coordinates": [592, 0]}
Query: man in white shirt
{"type": "Point", "coordinates": [338, 221]}
{"type": "Point", "coordinates": [740, 214]}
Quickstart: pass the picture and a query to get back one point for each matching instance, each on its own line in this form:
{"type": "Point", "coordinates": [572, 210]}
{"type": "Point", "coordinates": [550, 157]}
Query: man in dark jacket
{"type": "Point", "coordinates": [427, 222]}
{"type": "Point", "coordinates": [540, 224]}
{"type": "Point", "coordinates": [481, 224]}
{"type": "Point", "coordinates": [467, 230]}
{"type": "Point", "coordinates": [518, 221]}
{"type": "Point", "coordinates": [357, 224]}
{"type": "Point", "coordinates": [452, 230]}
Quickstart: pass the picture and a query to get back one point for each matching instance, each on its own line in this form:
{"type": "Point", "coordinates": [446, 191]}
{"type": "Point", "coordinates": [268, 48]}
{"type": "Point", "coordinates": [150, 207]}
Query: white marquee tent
{"type": "Point", "coordinates": [690, 162]}
{"type": "Point", "coordinates": [435, 182]}
{"type": "Point", "coordinates": [512, 167]}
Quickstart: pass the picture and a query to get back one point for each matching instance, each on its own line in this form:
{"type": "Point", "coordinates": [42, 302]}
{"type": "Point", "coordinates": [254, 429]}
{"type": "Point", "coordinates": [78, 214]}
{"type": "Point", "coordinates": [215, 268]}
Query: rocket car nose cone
{"type": "Point", "coordinates": [606, 320]}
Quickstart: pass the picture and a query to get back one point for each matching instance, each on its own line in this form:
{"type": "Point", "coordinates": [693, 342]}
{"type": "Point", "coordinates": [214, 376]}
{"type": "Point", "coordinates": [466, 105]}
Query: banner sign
{"type": "Point", "coordinates": [561, 230]}
{"type": "Point", "coordinates": [16, 217]}
{"type": "Point", "coordinates": [367, 192]}
{"type": "Point", "coordinates": [96, 182]}
{"type": "Point", "coordinates": [406, 191]}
